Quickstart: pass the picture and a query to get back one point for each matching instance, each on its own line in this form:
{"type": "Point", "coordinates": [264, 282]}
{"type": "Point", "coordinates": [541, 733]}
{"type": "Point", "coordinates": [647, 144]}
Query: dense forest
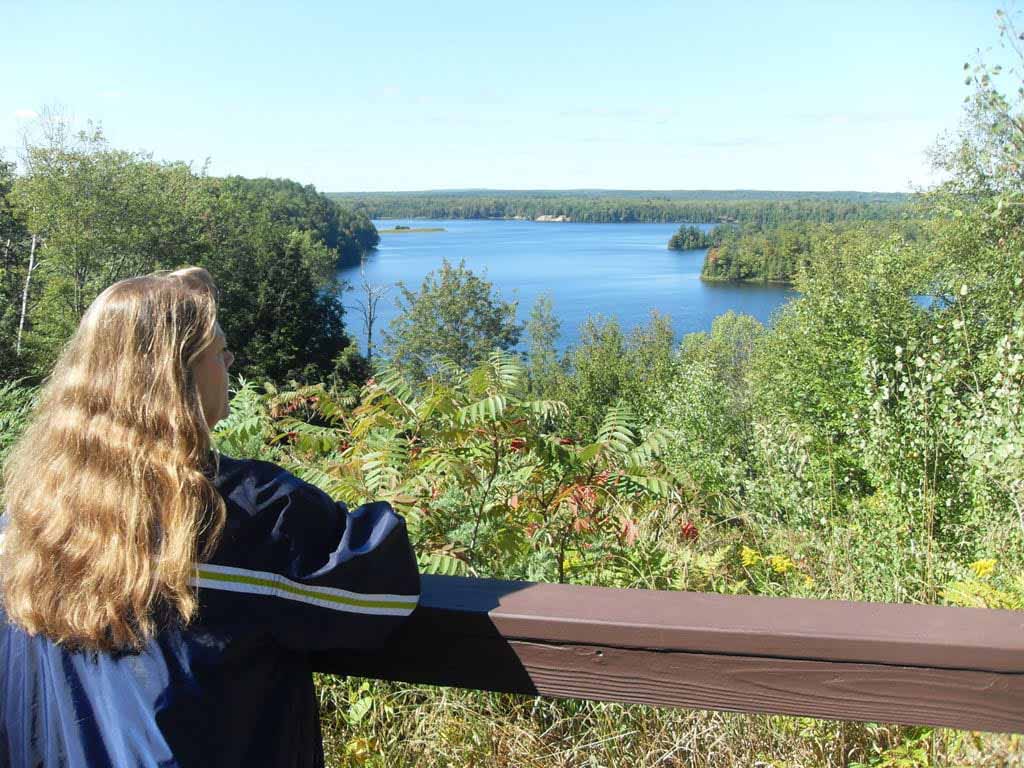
{"type": "Point", "coordinates": [864, 446]}
{"type": "Point", "coordinates": [779, 253]}
{"type": "Point", "coordinates": [83, 215]}
{"type": "Point", "coordinates": [763, 209]}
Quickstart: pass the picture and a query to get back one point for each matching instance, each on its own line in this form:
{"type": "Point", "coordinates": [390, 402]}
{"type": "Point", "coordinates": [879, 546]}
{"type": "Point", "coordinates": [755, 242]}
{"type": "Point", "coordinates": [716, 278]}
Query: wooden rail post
{"type": "Point", "coordinates": [911, 664]}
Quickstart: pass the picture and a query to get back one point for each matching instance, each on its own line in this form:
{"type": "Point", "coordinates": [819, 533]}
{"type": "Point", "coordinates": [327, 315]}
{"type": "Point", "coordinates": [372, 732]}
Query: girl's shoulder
{"type": "Point", "coordinates": [250, 482]}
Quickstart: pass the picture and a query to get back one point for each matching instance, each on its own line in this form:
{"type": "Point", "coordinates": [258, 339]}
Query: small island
{"type": "Point", "coordinates": [401, 229]}
{"type": "Point", "coordinates": [690, 238]}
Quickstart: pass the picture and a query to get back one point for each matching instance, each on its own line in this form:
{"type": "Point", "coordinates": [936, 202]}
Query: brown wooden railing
{"type": "Point", "coordinates": [912, 664]}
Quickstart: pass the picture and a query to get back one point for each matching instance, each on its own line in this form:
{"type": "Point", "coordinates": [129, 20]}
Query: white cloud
{"type": "Point", "coordinates": [25, 114]}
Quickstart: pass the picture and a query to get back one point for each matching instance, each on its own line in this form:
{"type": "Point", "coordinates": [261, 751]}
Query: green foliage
{"type": "Point", "coordinates": [100, 214]}
{"type": "Point", "coordinates": [455, 317]}
{"type": "Point", "coordinates": [606, 366]}
{"type": "Point", "coordinates": [278, 319]}
{"type": "Point", "coordinates": [247, 430]}
{"type": "Point", "coordinates": [690, 237]}
{"type": "Point", "coordinates": [781, 252]}
{"type": "Point", "coordinates": [542, 330]}
{"type": "Point", "coordinates": [913, 751]}
{"type": "Point", "coordinates": [470, 457]}
{"type": "Point", "coordinates": [706, 407]}
{"type": "Point", "coordinates": [291, 206]}
{"type": "Point", "coordinates": [15, 248]}
{"type": "Point", "coordinates": [16, 401]}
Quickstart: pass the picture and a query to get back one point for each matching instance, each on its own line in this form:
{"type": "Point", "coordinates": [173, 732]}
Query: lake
{"type": "Point", "coordinates": [620, 270]}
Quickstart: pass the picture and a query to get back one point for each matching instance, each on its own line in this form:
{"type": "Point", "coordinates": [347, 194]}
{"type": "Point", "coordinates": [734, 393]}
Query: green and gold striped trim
{"type": "Point", "coordinates": [269, 584]}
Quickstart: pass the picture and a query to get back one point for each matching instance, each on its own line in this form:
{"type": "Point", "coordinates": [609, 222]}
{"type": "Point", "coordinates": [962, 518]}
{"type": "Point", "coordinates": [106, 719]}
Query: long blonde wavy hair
{"type": "Point", "coordinates": [108, 491]}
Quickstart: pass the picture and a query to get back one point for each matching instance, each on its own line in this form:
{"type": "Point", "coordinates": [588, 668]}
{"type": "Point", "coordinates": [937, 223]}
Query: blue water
{"type": "Point", "coordinates": [615, 270]}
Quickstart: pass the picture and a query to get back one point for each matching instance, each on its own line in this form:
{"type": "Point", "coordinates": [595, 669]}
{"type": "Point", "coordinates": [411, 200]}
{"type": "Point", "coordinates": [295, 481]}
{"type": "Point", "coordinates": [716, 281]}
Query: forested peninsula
{"type": "Point", "coordinates": [761, 208]}
{"type": "Point", "coordinates": [778, 254]}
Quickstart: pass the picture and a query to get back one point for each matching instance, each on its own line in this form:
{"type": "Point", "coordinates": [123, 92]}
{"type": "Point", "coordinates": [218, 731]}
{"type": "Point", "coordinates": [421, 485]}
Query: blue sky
{"type": "Point", "coordinates": [787, 94]}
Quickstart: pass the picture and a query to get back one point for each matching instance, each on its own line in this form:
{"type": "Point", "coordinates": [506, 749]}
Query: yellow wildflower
{"type": "Point", "coordinates": [358, 750]}
{"type": "Point", "coordinates": [983, 568]}
{"type": "Point", "coordinates": [750, 557]}
{"type": "Point", "coordinates": [781, 563]}
{"type": "Point", "coordinates": [808, 582]}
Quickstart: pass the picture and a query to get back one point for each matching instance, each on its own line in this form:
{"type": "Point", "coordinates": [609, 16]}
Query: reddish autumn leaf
{"type": "Point", "coordinates": [513, 501]}
{"type": "Point", "coordinates": [517, 444]}
{"type": "Point", "coordinates": [566, 441]}
{"type": "Point", "coordinates": [629, 531]}
{"type": "Point", "coordinates": [583, 498]}
{"type": "Point", "coordinates": [688, 531]}
{"type": "Point", "coordinates": [581, 524]}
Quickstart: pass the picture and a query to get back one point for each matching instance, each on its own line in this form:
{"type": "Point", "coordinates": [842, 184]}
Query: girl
{"type": "Point", "coordinates": [160, 600]}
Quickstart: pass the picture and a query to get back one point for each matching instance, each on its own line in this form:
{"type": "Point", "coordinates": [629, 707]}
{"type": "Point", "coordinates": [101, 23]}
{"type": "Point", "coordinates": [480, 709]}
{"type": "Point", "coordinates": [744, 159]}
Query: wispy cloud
{"type": "Point", "coordinates": [26, 114]}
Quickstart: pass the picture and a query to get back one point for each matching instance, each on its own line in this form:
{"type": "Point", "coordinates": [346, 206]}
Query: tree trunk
{"type": "Point", "coordinates": [368, 309]}
{"type": "Point", "coordinates": [24, 295]}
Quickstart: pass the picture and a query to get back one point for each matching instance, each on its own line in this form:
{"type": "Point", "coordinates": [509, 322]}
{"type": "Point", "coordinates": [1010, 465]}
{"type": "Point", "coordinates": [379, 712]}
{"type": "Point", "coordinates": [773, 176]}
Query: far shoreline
{"type": "Point", "coordinates": [409, 230]}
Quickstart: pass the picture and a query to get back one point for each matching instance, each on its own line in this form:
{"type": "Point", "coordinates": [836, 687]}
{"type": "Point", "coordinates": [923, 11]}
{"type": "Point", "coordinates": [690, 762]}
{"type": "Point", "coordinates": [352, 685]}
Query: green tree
{"type": "Point", "coordinates": [597, 372]}
{"type": "Point", "coordinates": [607, 368]}
{"type": "Point", "coordinates": [690, 237]}
{"type": "Point", "coordinates": [542, 329]}
{"type": "Point", "coordinates": [15, 249]}
{"type": "Point", "coordinates": [100, 215]}
{"type": "Point", "coordinates": [277, 317]}
{"type": "Point", "coordinates": [455, 316]}
{"type": "Point", "coordinates": [727, 349]}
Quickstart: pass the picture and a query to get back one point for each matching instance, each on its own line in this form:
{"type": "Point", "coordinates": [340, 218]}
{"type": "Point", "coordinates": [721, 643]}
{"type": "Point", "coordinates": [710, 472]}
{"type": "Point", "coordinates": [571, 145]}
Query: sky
{"type": "Point", "coordinates": [562, 94]}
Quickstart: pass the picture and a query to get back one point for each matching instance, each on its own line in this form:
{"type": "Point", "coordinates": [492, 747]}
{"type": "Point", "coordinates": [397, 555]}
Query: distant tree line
{"type": "Point", "coordinates": [618, 207]}
{"type": "Point", "coordinates": [81, 215]}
